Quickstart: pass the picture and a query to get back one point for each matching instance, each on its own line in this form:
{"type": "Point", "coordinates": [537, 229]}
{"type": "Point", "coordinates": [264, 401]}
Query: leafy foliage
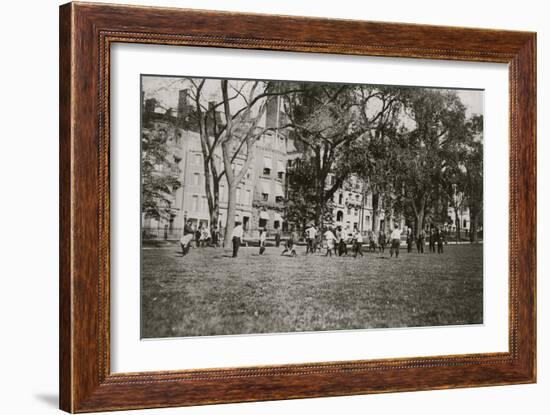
{"type": "Point", "coordinates": [159, 173]}
{"type": "Point", "coordinates": [302, 195]}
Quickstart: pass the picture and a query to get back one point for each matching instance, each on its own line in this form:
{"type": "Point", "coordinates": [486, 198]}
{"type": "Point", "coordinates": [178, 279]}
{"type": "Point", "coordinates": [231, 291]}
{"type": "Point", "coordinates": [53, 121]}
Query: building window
{"type": "Point", "coordinates": [238, 195]}
{"type": "Point", "coordinates": [280, 169]}
{"type": "Point", "coordinates": [279, 199]}
{"type": "Point", "coordinates": [265, 196]}
{"type": "Point", "coordinates": [465, 224]}
{"type": "Point", "coordinates": [349, 211]}
{"type": "Point", "coordinates": [248, 195]}
{"type": "Point", "coordinates": [356, 212]}
{"type": "Point", "coordinates": [196, 179]}
{"type": "Point", "coordinates": [340, 198]}
{"type": "Point", "coordinates": [267, 166]}
{"type": "Point", "coordinates": [195, 203]}
{"type": "Point", "coordinates": [262, 223]}
{"type": "Point", "coordinates": [276, 224]}
{"type": "Point", "coordinates": [198, 159]}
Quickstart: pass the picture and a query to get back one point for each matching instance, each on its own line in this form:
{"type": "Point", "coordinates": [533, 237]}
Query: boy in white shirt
{"type": "Point", "coordinates": [263, 236]}
{"type": "Point", "coordinates": [357, 242]}
{"type": "Point", "coordinates": [236, 238]}
{"type": "Point", "coordinates": [330, 238]}
{"type": "Point", "coordinates": [311, 233]}
{"type": "Point", "coordinates": [395, 241]}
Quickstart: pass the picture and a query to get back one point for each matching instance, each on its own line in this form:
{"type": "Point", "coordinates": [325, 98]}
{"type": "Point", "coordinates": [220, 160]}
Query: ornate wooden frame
{"type": "Point", "coordinates": [86, 33]}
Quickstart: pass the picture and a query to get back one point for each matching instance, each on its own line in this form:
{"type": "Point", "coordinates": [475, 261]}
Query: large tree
{"type": "Point", "coordinates": [210, 129]}
{"type": "Point", "coordinates": [159, 171]}
{"type": "Point", "coordinates": [415, 161]}
{"type": "Point", "coordinates": [325, 120]}
{"type": "Point", "coordinates": [427, 149]}
{"type": "Point", "coordinates": [473, 187]}
{"type": "Point", "coordinates": [302, 196]}
{"type": "Point", "coordinates": [241, 132]}
{"type": "Point", "coordinates": [228, 120]}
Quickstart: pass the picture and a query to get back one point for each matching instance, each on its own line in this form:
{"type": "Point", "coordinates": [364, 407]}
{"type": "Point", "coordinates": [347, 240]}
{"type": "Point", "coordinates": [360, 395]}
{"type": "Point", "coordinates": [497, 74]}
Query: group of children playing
{"type": "Point", "coordinates": [336, 241]}
{"type": "Point", "coordinates": [332, 239]}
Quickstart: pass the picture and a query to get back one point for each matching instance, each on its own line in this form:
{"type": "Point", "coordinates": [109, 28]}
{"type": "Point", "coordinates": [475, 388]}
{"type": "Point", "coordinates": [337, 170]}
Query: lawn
{"type": "Point", "coordinates": [209, 293]}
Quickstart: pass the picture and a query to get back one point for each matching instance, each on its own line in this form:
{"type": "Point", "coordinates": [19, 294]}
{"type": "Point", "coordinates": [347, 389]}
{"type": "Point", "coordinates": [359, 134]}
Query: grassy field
{"type": "Point", "coordinates": [209, 293]}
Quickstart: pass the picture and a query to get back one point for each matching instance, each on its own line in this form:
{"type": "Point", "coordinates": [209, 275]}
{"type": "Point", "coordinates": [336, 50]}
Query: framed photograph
{"type": "Point", "coordinates": [258, 207]}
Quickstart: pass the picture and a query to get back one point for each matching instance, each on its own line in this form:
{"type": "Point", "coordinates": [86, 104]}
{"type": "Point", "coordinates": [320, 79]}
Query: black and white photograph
{"type": "Point", "coordinates": [283, 206]}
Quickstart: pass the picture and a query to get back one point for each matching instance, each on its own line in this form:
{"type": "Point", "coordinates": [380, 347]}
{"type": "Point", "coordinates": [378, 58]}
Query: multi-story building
{"type": "Point", "coordinates": [463, 218]}
{"type": "Point", "coordinates": [189, 201]}
{"type": "Point", "coordinates": [354, 207]}
{"type": "Point", "coordinates": [260, 195]}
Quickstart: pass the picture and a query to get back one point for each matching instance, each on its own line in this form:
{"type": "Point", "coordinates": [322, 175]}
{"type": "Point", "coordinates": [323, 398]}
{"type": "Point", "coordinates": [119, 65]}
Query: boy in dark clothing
{"type": "Point", "coordinates": [409, 241]}
{"type": "Point", "coordinates": [420, 242]}
{"type": "Point", "coordinates": [342, 248]}
{"type": "Point", "coordinates": [431, 239]}
{"type": "Point", "coordinates": [372, 244]}
{"type": "Point", "coordinates": [381, 241]}
{"type": "Point", "coordinates": [440, 240]}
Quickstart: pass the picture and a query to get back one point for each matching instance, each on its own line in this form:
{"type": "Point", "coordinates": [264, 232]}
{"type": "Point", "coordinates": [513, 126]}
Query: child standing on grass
{"type": "Point", "coordinates": [395, 241]}
{"type": "Point", "coordinates": [329, 238]}
{"type": "Point", "coordinates": [381, 241]}
{"type": "Point", "coordinates": [439, 239]}
{"type": "Point", "coordinates": [357, 242]}
{"type": "Point", "coordinates": [409, 240]}
{"type": "Point", "coordinates": [342, 247]}
{"type": "Point", "coordinates": [372, 244]}
{"type": "Point", "coordinates": [236, 238]}
{"type": "Point", "coordinates": [263, 235]}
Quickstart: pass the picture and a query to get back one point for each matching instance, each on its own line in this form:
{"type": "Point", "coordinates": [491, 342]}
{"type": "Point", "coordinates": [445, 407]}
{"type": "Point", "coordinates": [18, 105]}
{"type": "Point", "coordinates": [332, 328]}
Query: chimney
{"type": "Point", "coordinates": [183, 105]}
{"type": "Point", "coordinates": [272, 112]}
{"type": "Point", "coordinates": [215, 115]}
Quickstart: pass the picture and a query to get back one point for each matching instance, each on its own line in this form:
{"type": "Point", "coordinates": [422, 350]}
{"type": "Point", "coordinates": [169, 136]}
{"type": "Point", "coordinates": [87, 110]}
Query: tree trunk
{"type": "Point", "coordinates": [473, 227]}
{"type": "Point", "coordinates": [420, 223]}
{"type": "Point", "coordinates": [215, 214]}
{"type": "Point", "coordinates": [419, 213]}
{"type": "Point", "coordinates": [231, 212]}
{"type": "Point", "coordinates": [207, 187]}
{"type": "Point", "coordinates": [320, 209]}
{"type": "Point", "coordinates": [457, 221]}
{"type": "Point", "coordinates": [214, 207]}
{"type": "Point", "coordinates": [375, 220]}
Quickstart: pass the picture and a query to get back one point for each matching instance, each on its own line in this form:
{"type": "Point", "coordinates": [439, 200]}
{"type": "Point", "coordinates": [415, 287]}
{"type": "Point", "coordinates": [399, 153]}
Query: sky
{"type": "Point", "coordinates": [165, 89]}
